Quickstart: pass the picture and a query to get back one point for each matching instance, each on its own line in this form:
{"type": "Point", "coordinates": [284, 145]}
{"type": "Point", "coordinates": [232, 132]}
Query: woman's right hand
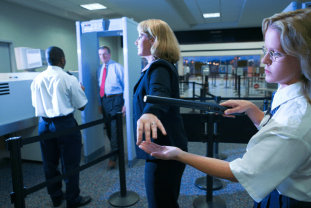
{"type": "Point", "coordinates": [244, 106]}
{"type": "Point", "coordinates": [148, 125]}
{"type": "Point", "coordinates": [238, 106]}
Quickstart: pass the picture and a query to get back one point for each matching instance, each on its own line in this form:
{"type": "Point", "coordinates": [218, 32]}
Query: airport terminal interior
{"type": "Point", "coordinates": [100, 183]}
{"type": "Point", "coordinates": [217, 64]}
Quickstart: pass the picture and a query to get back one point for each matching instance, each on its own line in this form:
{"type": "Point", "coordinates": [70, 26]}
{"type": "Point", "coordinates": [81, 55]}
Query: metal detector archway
{"type": "Point", "coordinates": [89, 34]}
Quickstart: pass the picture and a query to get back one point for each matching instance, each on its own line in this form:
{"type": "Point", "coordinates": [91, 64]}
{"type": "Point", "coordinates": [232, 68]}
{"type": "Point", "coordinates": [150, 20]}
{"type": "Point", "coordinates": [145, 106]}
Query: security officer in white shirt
{"type": "Point", "coordinates": [55, 96]}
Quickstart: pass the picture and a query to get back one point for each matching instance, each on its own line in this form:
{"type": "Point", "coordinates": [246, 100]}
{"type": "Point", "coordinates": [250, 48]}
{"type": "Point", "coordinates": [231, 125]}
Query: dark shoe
{"type": "Point", "coordinates": [57, 201]}
{"type": "Point", "coordinates": [112, 164]}
{"type": "Point", "coordinates": [84, 201]}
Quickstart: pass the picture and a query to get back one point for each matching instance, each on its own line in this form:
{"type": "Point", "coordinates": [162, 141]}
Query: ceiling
{"type": "Point", "coordinates": [181, 15]}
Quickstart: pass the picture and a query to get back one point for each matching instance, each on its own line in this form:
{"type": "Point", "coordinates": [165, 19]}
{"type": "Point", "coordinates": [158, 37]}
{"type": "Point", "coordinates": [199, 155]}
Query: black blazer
{"type": "Point", "coordinates": [160, 79]}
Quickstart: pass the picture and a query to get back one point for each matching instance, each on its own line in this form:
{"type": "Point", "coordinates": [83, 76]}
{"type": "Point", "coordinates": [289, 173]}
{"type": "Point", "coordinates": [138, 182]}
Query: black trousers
{"type": "Point", "coordinates": [275, 200]}
{"type": "Point", "coordinates": [110, 107]}
{"type": "Point", "coordinates": [162, 182]}
{"type": "Point", "coordinates": [67, 150]}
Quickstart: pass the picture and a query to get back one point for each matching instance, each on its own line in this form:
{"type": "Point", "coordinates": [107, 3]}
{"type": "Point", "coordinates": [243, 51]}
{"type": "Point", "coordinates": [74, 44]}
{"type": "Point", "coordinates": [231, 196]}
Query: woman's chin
{"type": "Point", "coordinates": [269, 79]}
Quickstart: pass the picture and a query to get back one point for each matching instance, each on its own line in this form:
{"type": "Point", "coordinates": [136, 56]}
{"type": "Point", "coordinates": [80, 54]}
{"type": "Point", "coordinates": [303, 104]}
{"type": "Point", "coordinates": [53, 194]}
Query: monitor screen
{"type": "Point", "coordinates": [29, 58]}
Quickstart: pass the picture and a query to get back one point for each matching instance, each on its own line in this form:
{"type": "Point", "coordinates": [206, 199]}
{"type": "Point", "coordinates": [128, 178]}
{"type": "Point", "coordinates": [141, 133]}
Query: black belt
{"type": "Point", "coordinates": [114, 95]}
{"type": "Point", "coordinates": [57, 117]}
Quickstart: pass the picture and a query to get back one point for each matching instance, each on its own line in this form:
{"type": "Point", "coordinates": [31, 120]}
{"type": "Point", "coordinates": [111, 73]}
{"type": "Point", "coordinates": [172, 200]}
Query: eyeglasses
{"type": "Point", "coordinates": [273, 55]}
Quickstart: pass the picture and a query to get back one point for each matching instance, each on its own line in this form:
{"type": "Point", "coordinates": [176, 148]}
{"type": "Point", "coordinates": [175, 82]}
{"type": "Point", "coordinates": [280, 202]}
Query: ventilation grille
{"type": "Point", "coordinates": [4, 89]}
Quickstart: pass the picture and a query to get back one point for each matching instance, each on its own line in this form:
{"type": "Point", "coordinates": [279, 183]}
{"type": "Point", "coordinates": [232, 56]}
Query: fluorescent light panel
{"type": "Point", "coordinates": [94, 6]}
{"type": "Point", "coordinates": [211, 15]}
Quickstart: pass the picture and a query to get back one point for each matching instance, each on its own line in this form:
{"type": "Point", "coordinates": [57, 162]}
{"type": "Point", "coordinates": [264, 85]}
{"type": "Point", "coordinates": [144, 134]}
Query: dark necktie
{"type": "Point", "coordinates": [272, 112]}
{"type": "Point", "coordinates": [269, 111]}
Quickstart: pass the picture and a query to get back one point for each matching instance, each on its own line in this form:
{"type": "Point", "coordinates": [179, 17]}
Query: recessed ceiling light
{"type": "Point", "coordinates": [94, 6]}
{"type": "Point", "coordinates": [211, 15]}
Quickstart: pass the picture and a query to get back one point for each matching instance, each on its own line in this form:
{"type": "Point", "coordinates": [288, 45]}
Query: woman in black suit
{"type": "Point", "coordinates": [158, 45]}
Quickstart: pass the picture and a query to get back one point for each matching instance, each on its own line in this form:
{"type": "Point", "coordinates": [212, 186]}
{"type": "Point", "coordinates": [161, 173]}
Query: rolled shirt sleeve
{"type": "Point", "coordinates": [78, 97]}
{"type": "Point", "coordinates": [266, 164]}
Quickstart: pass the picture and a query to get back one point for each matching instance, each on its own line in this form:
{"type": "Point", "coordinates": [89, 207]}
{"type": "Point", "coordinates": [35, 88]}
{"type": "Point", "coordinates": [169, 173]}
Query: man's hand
{"type": "Point", "coordinates": [82, 87]}
{"type": "Point", "coordinates": [100, 110]}
{"type": "Point", "coordinates": [123, 110]}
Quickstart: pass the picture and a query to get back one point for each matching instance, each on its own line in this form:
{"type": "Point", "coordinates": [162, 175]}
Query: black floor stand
{"type": "Point", "coordinates": [217, 184]}
{"type": "Point", "coordinates": [208, 201]}
{"type": "Point", "coordinates": [202, 202]}
{"type": "Point", "coordinates": [201, 183]}
{"type": "Point", "coordinates": [130, 198]}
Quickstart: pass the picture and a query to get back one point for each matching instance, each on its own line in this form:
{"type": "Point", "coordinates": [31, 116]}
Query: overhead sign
{"type": "Point", "coordinates": [93, 26]}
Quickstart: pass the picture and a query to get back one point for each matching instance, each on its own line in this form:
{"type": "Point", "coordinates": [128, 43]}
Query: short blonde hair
{"type": "Point", "coordinates": [165, 43]}
{"type": "Point", "coordinates": [295, 31]}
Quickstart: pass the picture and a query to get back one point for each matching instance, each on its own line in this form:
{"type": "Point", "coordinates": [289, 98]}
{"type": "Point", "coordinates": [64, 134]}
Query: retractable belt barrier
{"type": "Point", "coordinates": [123, 198]}
{"type": "Point", "coordinates": [209, 127]}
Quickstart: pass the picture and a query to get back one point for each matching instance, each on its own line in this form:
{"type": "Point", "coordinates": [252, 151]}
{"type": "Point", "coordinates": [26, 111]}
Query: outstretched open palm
{"type": "Point", "coordinates": [158, 151]}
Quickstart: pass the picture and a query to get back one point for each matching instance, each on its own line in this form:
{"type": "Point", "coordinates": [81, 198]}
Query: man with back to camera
{"type": "Point", "coordinates": [55, 96]}
{"type": "Point", "coordinates": [110, 79]}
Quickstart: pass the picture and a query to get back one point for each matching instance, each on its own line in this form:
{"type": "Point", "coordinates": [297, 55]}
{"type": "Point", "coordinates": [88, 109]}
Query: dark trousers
{"type": "Point", "coordinates": [67, 150]}
{"type": "Point", "coordinates": [275, 200]}
{"type": "Point", "coordinates": [110, 107]}
{"type": "Point", "coordinates": [162, 181]}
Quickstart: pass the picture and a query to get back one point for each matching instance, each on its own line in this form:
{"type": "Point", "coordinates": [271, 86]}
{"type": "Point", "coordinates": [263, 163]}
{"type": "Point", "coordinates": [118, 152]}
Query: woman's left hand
{"type": "Point", "coordinates": [160, 152]}
{"type": "Point", "coordinates": [148, 124]}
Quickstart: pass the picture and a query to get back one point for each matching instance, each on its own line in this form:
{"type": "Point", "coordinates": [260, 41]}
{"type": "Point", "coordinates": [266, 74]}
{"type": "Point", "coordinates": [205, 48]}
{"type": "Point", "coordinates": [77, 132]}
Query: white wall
{"type": "Point", "coordinates": [25, 27]}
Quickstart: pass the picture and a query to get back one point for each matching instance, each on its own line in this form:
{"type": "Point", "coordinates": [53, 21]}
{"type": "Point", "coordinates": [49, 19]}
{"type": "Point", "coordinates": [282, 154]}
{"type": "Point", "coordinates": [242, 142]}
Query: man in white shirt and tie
{"type": "Point", "coordinates": [110, 82]}
{"type": "Point", "coordinates": [55, 96]}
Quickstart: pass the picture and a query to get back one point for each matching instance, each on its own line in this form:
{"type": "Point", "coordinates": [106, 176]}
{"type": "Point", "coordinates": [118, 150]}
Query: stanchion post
{"type": "Point", "coordinates": [210, 144]}
{"type": "Point", "coordinates": [216, 147]}
{"type": "Point", "coordinates": [202, 95]}
{"type": "Point", "coordinates": [17, 196]}
{"type": "Point", "coordinates": [123, 198]}
{"type": "Point", "coordinates": [239, 86]}
{"type": "Point", "coordinates": [193, 89]}
{"type": "Point", "coordinates": [206, 81]}
{"type": "Point", "coordinates": [121, 155]}
{"type": "Point", "coordinates": [235, 81]}
{"type": "Point", "coordinates": [209, 201]}
{"type": "Point", "coordinates": [216, 144]}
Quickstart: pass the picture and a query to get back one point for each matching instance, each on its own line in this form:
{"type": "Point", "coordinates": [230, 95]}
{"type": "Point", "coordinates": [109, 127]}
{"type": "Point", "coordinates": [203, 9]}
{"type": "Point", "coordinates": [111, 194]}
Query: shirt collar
{"type": "Point", "coordinates": [285, 94]}
{"type": "Point", "coordinates": [54, 68]}
{"type": "Point", "coordinates": [148, 65]}
{"type": "Point", "coordinates": [109, 62]}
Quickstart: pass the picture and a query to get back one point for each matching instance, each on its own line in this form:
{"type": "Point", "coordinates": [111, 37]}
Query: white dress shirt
{"type": "Point", "coordinates": [279, 155]}
{"type": "Point", "coordinates": [114, 78]}
{"type": "Point", "coordinates": [56, 93]}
